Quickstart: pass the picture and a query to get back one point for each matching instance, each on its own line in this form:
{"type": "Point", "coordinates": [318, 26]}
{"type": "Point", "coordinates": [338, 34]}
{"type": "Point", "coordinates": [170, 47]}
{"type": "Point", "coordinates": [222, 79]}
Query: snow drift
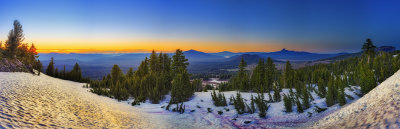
{"type": "Point", "coordinates": [31, 101]}
{"type": "Point", "coordinates": [380, 108]}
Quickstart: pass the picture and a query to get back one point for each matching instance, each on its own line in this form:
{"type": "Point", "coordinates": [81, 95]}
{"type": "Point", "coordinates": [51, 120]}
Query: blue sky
{"type": "Point", "coordinates": [255, 25]}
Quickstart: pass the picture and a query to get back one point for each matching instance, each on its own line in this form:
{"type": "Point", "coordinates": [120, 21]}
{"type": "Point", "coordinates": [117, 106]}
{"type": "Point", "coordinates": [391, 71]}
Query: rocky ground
{"type": "Point", "coordinates": [13, 65]}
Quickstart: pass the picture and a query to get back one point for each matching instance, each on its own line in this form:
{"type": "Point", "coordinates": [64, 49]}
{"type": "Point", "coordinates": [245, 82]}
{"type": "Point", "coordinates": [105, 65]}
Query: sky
{"type": "Point", "coordinates": [120, 26]}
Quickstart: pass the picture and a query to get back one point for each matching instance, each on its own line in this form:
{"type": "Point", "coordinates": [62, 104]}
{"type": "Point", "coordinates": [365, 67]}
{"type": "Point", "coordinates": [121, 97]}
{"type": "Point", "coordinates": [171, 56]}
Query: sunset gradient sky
{"type": "Point", "coordinates": [108, 26]}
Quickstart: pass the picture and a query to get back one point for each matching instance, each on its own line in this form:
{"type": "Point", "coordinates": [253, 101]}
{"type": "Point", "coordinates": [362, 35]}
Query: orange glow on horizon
{"type": "Point", "coordinates": [161, 45]}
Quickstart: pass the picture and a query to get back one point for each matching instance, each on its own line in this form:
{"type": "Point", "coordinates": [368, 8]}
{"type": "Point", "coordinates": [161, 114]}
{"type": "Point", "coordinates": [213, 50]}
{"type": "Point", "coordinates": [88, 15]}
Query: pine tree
{"type": "Point", "coordinates": [306, 98]}
{"type": "Point", "coordinates": [270, 75]}
{"type": "Point", "coordinates": [39, 66]}
{"type": "Point", "coordinates": [64, 73]}
{"type": "Point", "coordinates": [287, 103]}
{"type": "Point", "coordinates": [330, 97]}
{"type": "Point", "coordinates": [261, 105]}
{"type": "Point", "coordinates": [341, 94]}
{"type": "Point", "coordinates": [253, 107]}
{"type": "Point", "coordinates": [154, 62]}
{"type": "Point", "coordinates": [197, 85]}
{"type": "Point", "coordinates": [321, 88]}
{"type": "Point", "coordinates": [50, 67]}
{"type": "Point", "coordinates": [76, 73]}
{"type": "Point", "coordinates": [299, 106]}
{"type": "Point", "coordinates": [116, 74]}
{"type": "Point", "coordinates": [56, 75]}
{"type": "Point", "coordinates": [15, 38]}
{"type": "Point", "coordinates": [130, 73]}
{"type": "Point", "coordinates": [288, 76]}
{"type": "Point", "coordinates": [367, 79]}
{"type": "Point", "coordinates": [241, 80]}
{"type": "Point", "coordinates": [258, 78]}
{"type": "Point", "coordinates": [181, 89]}
{"type": "Point", "coordinates": [277, 96]}
{"type": "Point", "coordinates": [369, 49]}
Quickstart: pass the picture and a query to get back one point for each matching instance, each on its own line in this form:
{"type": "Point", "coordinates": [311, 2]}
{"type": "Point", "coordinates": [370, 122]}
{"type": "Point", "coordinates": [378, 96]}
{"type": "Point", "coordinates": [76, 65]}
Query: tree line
{"type": "Point", "coordinates": [155, 77]}
{"type": "Point", "coordinates": [326, 80]}
{"type": "Point", "coordinates": [73, 75]}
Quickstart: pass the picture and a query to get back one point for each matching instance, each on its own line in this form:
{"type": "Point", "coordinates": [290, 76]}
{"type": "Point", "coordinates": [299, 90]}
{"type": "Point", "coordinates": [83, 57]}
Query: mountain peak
{"type": "Point", "coordinates": [192, 51]}
{"type": "Point", "coordinates": [284, 50]}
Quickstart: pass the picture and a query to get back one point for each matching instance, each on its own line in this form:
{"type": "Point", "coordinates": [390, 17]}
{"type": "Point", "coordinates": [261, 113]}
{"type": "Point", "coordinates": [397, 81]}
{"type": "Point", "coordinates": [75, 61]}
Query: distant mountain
{"type": "Point", "coordinates": [284, 55]}
{"type": "Point", "coordinates": [341, 56]}
{"type": "Point", "coordinates": [197, 56]}
{"type": "Point", "coordinates": [248, 58]}
{"type": "Point", "coordinates": [226, 54]}
{"type": "Point", "coordinates": [98, 65]}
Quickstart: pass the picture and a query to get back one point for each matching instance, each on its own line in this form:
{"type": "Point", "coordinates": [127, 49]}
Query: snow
{"type": "Point", "coordinates": [276, 117]}
{"type": "Point", "coordinates": [380, 108]}
{"type": "Point", "coordinates": [31, 101]}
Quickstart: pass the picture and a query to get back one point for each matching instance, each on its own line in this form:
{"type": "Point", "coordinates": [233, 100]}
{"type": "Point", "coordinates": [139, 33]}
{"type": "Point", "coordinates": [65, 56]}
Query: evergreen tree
{"type": "Point", "coordinates": [179, 62]}
{"type": "Point", "coordinates": [130, 73]}
{"type": "Point", "coordinates": [262, 105]}
{"type": "Point", "coordinates": [277, 96]}
{"type": "Point", "coordinates": [56, 73]}
{"type": "Point", "coordinates": [15, 38]}
{"type": "Point", "coordinates": [197, 85]}
{"type": "Point", "coordinates": [321, 88]}
{"type": "Point", "coordinates": [241, 80]}
{"type": "Point", "coordinates": [330, 97]}
{"type": "Point", "coordinates": [367, 79]}
{"type": "Point", "coordinates": [239, 104]}
{"type": "Point", "coordinates": [258, 78]}
{"type": "Point", "coordinates": [63, 73]}
{"type": "Point", "coordinates": [288, 76]}
{"type": "Point", "coordinates": [38, 66]}
{"type": "Point", "coordinates": [50, 68]}
{"type": "Point", "coordinates": [181, 90]}
{"type": "Point", "coordinates": [341, 94]}
{"type": "Point", "coordinates": [306, 98]}
{"type": "Point", "coordinates": [253, 107]}
{"type": "Point", "coordinates": [287, 103]}
{"type": "Point", "coordinates": [154, 62]}
{"type": "Point", "coordinates": [270, 75]}
{"type": "Point", "coordinates": [116, 74]}
{"type": "Point", "coordinates": [299, 106]}
{"type": "Point", "coordinates": [76, 73]}
{"type": "Point", "coordinates": [369, 48]}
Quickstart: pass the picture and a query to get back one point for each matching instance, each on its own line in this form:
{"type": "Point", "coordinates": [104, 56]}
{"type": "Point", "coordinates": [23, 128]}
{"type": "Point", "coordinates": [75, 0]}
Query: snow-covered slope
{"type": "Point", "coordinates": [380, 108]}
{"type": "Point", "coordinates": [31, 101]}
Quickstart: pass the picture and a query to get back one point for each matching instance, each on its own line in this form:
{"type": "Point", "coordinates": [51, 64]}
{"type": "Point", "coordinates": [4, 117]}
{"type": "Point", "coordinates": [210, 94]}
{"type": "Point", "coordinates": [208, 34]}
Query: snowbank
{"type": "Point", "coordinates": [380, 108]}
{"type": "Point", "coordinates": [197, 109]}
{"type": "Point", "coordinates": [31, 101]}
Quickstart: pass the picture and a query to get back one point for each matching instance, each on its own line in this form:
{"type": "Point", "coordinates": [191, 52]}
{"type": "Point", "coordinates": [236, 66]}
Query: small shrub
{"type": "Point", "coordinates": [318, 109]}
{"type": "Point", "coordinates": [209, 110]}
{"type": "Point", "coordinates": [219, 99]}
